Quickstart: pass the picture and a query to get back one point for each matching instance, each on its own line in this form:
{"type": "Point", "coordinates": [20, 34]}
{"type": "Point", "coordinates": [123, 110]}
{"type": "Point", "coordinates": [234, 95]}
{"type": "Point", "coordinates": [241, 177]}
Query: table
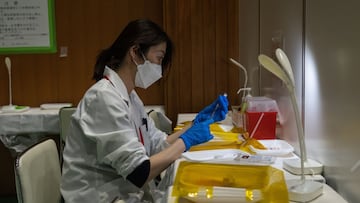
{"type": "Point", "coordinates": [182, 117]}
{"type": "Point", "coordinates": [22, 129]}
{"type": "Point", "coordinates": [329, 194]}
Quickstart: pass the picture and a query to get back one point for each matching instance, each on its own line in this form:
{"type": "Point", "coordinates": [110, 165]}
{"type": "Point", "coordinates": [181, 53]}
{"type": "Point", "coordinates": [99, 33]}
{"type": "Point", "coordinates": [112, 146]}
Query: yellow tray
{"type": "Point", "coordinates": [204, 182]}
{"type": "Point", "coordinates": [232, 139]}
{"type": "Point", "coordinates": [215, 127]}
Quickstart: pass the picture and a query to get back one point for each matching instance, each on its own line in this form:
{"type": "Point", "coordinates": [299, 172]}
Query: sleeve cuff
{"type": "Point", "coordinates": [139, 176]}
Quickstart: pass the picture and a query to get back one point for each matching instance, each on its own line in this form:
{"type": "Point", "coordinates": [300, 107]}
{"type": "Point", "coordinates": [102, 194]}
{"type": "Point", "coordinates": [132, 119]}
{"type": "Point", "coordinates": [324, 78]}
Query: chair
{"type": "Point", "coordinates": [161, 121]}
{"type": "Point", "coordinates": [65, 114]}
{"type": "Point", "coordinates": [37, 173]}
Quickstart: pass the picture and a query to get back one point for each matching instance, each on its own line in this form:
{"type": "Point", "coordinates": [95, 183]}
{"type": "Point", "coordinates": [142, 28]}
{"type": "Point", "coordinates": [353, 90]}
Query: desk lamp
{"type": "Point", "coordinates": [299, 190]}
{"type": "Point", "coordinates": [239, 119]}
{"type": "Point", "coordinates": [293, 165]}
{"type": "Point", "coordinates": [245, 88]}
{"type": "Point", "coordinates": [11, 107]}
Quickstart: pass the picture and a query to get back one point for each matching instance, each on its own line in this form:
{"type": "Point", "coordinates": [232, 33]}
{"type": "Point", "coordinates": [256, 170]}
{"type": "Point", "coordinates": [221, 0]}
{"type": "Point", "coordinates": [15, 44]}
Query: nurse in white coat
{"type": "Point", "coordinates": [113, 150]}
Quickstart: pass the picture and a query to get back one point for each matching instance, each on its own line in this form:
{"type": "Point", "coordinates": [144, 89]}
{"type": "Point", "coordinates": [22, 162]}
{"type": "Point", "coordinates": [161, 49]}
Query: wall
{"type": "Point", "coordinates": [85, 27]}
{"type": "Point", "coordinates": [281, 25]}
{"type": "Point", "coordinates": [331, 96]}
{"type": "Point", "coordinates": [249, 41]}
{"type": "Point", "coordinates": [321, 41]}
{"type": "Point", "coordinates": [269, 25]}
{"type": "Point", "coordinates": [205, 33]}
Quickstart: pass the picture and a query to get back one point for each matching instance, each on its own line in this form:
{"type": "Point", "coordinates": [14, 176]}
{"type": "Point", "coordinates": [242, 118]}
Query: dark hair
{"type": "Point", "coordinates": [143, 33]}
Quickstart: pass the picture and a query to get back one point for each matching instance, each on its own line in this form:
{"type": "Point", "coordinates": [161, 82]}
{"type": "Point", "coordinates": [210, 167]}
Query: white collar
{"type": "Point", "coordinates": [117, 82]}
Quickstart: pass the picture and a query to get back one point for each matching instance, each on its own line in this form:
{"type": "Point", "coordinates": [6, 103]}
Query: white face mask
{"type": "Point", "coordinates": [147, 73]}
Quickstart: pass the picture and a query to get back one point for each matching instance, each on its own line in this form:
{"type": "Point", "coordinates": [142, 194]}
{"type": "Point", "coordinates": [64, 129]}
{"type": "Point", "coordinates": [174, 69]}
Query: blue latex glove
{"type": "Point", "coordinates": [216, 111]}
{"type": "Point", "coordinates": [198, 133]}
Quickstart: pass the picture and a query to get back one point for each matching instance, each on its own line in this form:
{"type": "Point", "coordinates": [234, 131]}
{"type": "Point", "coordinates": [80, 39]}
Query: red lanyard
{"type": "Point", "coordinates": [141, 136]}
{"type": "Point", "coordinates": [107, 78]}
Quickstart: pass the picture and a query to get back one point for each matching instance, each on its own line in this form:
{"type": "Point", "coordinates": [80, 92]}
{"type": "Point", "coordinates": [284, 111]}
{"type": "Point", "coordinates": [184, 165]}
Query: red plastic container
{"type": "Point", "coordinates": [266, 128]}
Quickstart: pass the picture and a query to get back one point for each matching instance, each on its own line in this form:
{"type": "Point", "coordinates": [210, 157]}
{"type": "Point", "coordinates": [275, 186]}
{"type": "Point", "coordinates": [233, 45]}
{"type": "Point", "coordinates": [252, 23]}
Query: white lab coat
{"type": "Point", "coordinates": [104, 145]}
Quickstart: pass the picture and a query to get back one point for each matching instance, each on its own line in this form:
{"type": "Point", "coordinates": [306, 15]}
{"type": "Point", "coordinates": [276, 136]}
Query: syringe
{"type": "Point", "coordinates": [216, 107]}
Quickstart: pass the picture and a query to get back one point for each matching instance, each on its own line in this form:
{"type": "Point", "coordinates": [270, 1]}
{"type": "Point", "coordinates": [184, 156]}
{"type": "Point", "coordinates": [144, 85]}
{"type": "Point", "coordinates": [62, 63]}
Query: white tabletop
{"type": "Point", "coordinates": [182, 117]}
{"type": "Point", "coordinates": [34, 120]}
{"type": "Point", "coordinates": [20, 130]}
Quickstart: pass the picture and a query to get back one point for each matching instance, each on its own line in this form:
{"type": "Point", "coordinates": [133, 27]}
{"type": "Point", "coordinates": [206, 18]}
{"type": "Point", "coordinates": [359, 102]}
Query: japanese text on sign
{"type": "Point", "coordinates": [24, 23]}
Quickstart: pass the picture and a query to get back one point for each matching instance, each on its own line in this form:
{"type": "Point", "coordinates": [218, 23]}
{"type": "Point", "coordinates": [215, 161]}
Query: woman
{"type": "Point", "coordinates": [113, 150]}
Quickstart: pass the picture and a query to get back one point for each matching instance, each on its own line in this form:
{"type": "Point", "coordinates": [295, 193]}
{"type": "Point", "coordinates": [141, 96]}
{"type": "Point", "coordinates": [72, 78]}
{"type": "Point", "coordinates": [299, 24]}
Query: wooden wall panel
{"type": "Point", "coordinates": [205, 33]}
{"type": "Point", "coordinates": [184, 57]}
{"type": "Point", "coordinates": [235, 75]}
{"type": "Point", "coordinates": [197, 60]}
{"type": "Point", "coordinates": [172, 91]}
{"type": "Point", "coordinates": [85, 27]}
{"type": "Point", "coordinates": [209, 50]}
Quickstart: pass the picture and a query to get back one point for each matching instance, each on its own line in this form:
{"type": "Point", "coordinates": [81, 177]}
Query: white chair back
{"type": "Point", "coordinates": [162, 122]}
{"type": "Point", "coordinates": [37, 174]}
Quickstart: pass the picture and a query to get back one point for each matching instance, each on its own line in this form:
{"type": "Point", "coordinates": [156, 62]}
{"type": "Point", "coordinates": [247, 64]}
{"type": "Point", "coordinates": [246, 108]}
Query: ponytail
{"type": "Point", "coordinates": [142, 33]}
{"type": "Point", "coordinates": [102, 59]}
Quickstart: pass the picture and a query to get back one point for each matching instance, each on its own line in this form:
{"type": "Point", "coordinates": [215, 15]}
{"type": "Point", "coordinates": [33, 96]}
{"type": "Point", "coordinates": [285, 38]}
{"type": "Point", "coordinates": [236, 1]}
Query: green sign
{"type": "Point", "coordinates": [27, 26]}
